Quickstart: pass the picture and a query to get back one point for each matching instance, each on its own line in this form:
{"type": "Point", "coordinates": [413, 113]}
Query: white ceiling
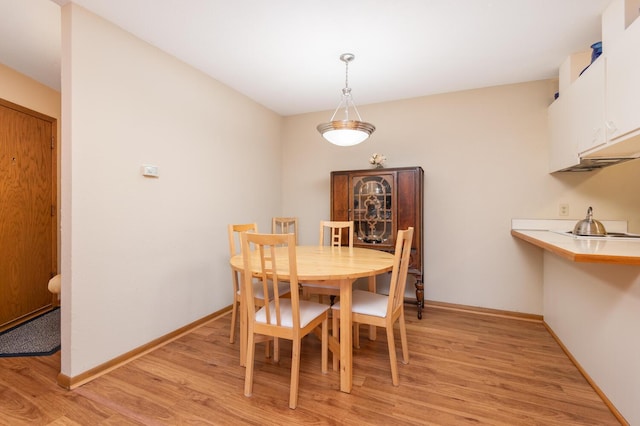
{"type": "Point", "coordinates": [284, 54]}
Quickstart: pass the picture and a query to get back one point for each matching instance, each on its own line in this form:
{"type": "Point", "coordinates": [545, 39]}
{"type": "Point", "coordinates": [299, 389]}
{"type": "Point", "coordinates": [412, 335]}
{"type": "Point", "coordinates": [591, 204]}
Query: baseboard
{"type": "Point", "coordinates": [484, 311]}
{"type": "Point", "coordinates": [89, 375]}
{"type": "Point", "coordinates": [588, 378]}
{"type": "Point", "coordinates": [25, 318]}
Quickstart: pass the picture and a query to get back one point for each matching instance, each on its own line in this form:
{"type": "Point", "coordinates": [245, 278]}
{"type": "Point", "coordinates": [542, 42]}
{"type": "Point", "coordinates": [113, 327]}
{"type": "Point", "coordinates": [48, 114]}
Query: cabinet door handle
{"type": "Point", "coordinates": [611, 128]}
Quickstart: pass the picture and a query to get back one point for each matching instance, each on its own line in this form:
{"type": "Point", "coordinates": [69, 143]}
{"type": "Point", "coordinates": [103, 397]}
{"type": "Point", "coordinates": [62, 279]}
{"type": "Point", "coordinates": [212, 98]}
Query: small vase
{"type": "Point", "coordinates": [378, 166]}
{"type": "Point", "coordinates": [596, 51]}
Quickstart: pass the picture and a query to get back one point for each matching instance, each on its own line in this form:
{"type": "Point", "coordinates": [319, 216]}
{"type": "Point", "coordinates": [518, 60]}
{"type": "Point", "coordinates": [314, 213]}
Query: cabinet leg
{"type": "Point", "coordinates": [420, 296]}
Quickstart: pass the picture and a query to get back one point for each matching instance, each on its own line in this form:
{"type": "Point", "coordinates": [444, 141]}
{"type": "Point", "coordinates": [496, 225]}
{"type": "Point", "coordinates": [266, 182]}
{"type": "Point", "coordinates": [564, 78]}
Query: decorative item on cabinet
{"type": "Point", "coordinates": [377, 160]}
{"type": "Point", "coordinates": [596, 51]}
{"type": "Point", "coordinates": [381, 202]}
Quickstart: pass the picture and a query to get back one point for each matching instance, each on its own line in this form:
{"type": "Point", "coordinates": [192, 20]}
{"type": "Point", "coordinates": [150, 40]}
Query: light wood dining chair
{"type": "Point", "coordinates": [234, 231]}
{"type": "Point", "coordinates": [336, 231]}
{"type": "Point", "coordinates": [381, 310]}
{"type": "Point", "coordinates": [281, 318]}
{"type": "Point", "coordinates": [285, 225]}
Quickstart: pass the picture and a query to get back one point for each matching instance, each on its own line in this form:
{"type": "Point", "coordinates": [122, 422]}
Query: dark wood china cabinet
{"type": "Point", "coordinates": [380, 202]}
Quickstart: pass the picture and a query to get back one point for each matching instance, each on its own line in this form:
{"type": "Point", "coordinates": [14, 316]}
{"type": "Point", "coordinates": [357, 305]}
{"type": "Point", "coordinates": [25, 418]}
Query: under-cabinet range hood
{"type": "Point", "coordinates": [589, 164]}
{"type": "Point", "coordinates": [606, 155]}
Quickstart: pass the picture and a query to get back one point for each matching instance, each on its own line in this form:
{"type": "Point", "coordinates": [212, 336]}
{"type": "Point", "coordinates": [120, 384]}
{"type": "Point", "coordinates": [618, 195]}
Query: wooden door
{"type": "Point", "coordinates": [28, 255]}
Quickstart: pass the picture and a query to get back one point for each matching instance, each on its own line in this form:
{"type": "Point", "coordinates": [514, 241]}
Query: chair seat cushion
{"type": "Point", "coordinates": [367, 303]}
{"type": "Point", "coordinates": [308, 312]}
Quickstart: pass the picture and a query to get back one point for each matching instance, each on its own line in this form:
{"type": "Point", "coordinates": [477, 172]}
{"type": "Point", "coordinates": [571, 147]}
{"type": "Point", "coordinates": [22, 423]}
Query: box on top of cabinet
{"type": "Point", "coordinates": [616, 19]}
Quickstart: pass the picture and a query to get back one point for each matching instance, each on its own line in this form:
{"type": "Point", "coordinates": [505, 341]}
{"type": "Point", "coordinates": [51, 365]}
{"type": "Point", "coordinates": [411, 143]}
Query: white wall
{"type": "Point", "coordinates": [142, 257]}
{"type": "Point", "coordinates": [26, 92]}
{"type": "Point", "coordinates": [485, 157]}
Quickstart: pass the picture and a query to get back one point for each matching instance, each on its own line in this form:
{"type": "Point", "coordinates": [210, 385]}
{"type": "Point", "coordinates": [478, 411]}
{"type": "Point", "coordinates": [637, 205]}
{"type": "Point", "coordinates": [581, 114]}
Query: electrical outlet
{"type": "Point", "coordinates": [563, 210]}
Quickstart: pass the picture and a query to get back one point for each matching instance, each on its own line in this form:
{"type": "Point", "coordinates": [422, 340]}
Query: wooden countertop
{"type": "Point", "coordinates": [621, 252]}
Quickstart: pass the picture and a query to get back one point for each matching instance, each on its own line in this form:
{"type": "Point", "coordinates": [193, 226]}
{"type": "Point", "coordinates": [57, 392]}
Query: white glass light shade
{"type": "Point", "coordinates": [346, 132]}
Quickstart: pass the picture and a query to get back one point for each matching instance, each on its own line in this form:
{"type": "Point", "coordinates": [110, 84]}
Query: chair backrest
{"type": "Point", "coordinates": [401, 260]}
{"type": "Point", "coordinates": [285, 225]}
{"type": "Point", "coordinates": [234, 234]}
{"type": "Point", "coordinates": [259, 255]}
{"type": "Point", "coordinates": [336, 229]}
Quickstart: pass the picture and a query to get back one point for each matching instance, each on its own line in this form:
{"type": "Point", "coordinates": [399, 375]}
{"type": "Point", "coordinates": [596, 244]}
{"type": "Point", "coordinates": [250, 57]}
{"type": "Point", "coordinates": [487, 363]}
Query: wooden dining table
{"type": "Point", "coordinates": [335, 267]}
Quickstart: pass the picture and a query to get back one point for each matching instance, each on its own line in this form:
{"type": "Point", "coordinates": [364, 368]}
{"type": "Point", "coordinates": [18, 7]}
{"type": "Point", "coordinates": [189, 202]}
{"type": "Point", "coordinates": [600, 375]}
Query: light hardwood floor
{"type": "Point", "coordinates": [465, 369]}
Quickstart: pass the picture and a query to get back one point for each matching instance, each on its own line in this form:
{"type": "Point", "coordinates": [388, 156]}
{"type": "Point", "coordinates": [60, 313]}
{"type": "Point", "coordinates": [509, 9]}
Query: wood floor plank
{"type": "Point", "coordinates": [464, 369]}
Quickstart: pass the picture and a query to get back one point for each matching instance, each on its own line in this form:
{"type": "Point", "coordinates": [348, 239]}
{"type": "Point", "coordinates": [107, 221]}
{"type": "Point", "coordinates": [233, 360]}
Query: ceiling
{"type": "Point", "coordinates": [284, 54]}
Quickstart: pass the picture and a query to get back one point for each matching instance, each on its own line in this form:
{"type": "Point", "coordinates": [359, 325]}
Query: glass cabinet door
{"type": "Point", "coordinates": [373, 205]}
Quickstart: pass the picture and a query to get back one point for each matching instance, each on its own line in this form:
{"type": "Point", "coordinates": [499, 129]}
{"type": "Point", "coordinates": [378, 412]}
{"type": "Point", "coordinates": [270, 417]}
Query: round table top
{"type": "Point", "coordinates": [331, 263]}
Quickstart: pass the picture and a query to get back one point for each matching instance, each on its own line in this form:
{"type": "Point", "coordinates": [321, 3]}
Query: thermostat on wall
{"type": "Point", "coordinates": [150, 170]}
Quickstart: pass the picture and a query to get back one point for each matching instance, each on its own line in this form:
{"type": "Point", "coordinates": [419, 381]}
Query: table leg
{"type": "Point", "coordinates": [346, 342]}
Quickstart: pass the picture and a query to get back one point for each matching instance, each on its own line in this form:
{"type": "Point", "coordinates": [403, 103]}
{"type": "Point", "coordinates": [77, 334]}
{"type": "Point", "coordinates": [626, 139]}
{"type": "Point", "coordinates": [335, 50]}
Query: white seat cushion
{"type": "Point", "coordinates": [308, 312]}
{"type": "Point", "coordinates": [367, 303]}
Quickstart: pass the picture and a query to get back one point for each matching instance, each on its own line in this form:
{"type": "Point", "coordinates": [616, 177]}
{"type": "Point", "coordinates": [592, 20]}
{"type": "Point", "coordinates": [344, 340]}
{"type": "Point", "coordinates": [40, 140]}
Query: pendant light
{"type": "Point", "coordinates": [346, 132]}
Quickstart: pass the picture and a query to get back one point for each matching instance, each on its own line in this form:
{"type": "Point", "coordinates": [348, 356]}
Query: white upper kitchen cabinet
{"type": "Point", "coordinates": [623, 84]}
{"type": "Point", "coordinates": [587, 106]}
{"type": "Point", "coordinates": [598, 121]}
{"type": "Point", "coordinates": [577, 118]}
{"type": "Point", "coordinates": [563, 151]}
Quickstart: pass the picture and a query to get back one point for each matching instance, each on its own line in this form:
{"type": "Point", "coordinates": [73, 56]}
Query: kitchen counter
{"type": "Point", "coordinates": [623, 252]}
